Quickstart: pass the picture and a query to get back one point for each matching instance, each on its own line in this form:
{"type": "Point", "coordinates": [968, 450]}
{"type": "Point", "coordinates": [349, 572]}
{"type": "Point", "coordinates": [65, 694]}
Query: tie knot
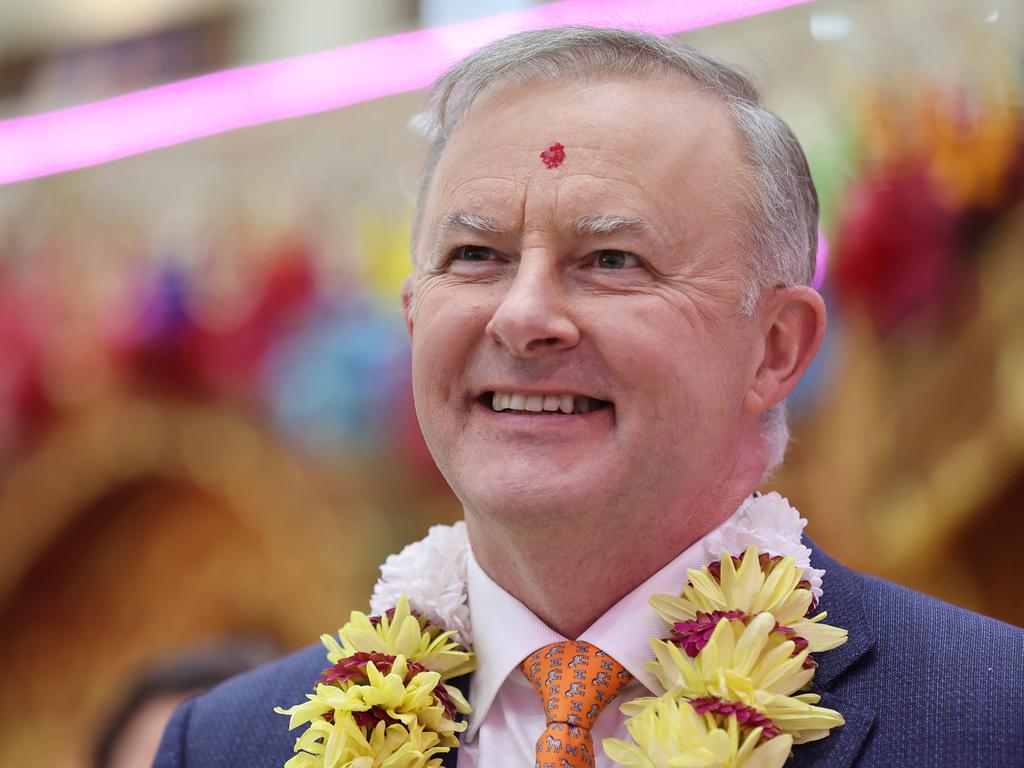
{"type": "Point", "coordinates": [574, 681]}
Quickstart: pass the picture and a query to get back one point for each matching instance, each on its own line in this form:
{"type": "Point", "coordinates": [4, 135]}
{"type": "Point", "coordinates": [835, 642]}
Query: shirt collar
{"type": "Point", "coordinates": [624, 632]}
{"type": "Point", "coordinates": [505, 631]}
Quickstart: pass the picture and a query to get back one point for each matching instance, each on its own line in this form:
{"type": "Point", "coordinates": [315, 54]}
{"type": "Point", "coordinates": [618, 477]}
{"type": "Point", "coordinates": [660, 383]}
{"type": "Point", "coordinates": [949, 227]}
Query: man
{"type": "Point", "coordinates": [610, 302]}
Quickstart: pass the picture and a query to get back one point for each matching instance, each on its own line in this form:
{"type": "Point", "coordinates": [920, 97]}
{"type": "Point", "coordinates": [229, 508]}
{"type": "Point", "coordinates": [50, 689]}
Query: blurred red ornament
{"type": "Point", "coordinates": [896, 249]}
{"type": "Point", "coordinates": [230, 360]}
{"type": "Point", "coordinates": [25, 408]}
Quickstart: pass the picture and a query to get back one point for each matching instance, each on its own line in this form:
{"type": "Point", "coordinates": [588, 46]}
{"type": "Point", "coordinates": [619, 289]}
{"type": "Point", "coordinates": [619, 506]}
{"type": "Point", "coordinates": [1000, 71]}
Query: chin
{"type": "Point", "coordinates": [536, 498]}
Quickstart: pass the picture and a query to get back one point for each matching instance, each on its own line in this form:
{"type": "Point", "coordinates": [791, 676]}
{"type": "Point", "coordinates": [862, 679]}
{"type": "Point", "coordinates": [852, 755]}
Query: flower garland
{"type": "Point", "coordinates": [384, 700]}
{"type": "Point", "coordinates": [734, 660]}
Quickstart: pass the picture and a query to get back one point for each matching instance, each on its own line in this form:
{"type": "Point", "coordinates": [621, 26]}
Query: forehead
{"type": "Point", "coordinates": [650, 147]}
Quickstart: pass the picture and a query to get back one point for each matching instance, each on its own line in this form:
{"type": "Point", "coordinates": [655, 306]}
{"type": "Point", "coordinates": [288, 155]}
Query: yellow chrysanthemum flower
{"type": "Point", "coordinates": [668, 733]}
{"type": "Point", "coordinates": [383, 702]}
{"type": "Point", "coordinates": [758, 584]}
{"type": "Point", "coordinates": [398, 706]}
{"type": "Point", "coordinates": [748, 664]}
{"type": "Point", "coordinates": [344, 744]}
{"type": "Point", "coordinates": [401, 634]}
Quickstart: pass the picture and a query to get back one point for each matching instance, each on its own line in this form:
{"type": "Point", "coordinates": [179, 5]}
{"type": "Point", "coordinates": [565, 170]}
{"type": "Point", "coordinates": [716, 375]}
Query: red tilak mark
{"type": "Point", "coordinates": [553, 156]}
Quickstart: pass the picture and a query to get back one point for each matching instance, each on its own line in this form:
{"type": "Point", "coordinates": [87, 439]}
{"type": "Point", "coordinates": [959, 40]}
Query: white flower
{"type": "Point", "coordinates": [769, 522]}
{"type": "Point", "coordinates": [432, 574]}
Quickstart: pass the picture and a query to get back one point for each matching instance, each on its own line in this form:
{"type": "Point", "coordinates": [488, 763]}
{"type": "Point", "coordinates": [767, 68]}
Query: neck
{"type": "Point", "coordinates": [569, 580]}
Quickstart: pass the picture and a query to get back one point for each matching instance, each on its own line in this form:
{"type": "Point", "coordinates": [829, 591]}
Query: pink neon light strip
{"type": "Point", "coordinates": [90, 134]}
{"type": "Point", "coordinates": [821, 262]}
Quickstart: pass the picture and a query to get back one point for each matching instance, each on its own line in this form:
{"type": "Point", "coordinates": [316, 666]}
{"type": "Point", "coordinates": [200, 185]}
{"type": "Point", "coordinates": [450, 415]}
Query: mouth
{"type": "Point", "coordinates": [542, 405]}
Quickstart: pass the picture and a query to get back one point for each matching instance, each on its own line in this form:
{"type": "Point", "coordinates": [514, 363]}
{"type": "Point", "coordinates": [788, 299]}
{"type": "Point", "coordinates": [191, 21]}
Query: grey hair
{"type": "Point", "coordinates": [782, 226]}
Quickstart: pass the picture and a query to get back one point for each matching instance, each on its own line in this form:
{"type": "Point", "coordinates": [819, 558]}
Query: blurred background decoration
{"type": "Point", "coordinates": [206, 427]}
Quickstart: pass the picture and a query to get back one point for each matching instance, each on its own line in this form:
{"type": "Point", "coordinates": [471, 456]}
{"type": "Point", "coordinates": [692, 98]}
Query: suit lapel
{"type": "Point", "coordinates": [845, 678]}
{"type": "Point", "coordinates": [449, 759]}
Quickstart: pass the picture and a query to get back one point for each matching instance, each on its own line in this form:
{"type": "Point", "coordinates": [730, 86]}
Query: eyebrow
{"type": "Point", "coordinates": [593, 226]}
{"type": "Point", "coordinates": [466, 222]}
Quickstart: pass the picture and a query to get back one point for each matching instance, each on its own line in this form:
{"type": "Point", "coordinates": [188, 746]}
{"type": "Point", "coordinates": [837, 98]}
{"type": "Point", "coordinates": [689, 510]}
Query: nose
{"type": "Point", "coordinates": [532, 317]}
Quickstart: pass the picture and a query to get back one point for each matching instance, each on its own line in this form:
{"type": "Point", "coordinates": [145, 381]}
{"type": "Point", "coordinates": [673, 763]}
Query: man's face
{"type": "Point", "coordinates": [608, 286]}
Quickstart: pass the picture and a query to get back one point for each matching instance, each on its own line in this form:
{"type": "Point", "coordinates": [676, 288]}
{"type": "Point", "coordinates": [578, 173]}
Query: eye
{"type": "Point", "coordinates": [472, 253]}
{"type": "Point", "coordinates": [615, 260]}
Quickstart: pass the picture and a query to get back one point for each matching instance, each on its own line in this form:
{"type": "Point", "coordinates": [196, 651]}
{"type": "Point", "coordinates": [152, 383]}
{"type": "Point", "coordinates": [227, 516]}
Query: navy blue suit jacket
{"type": "Point", "coordinates": [920, 683]}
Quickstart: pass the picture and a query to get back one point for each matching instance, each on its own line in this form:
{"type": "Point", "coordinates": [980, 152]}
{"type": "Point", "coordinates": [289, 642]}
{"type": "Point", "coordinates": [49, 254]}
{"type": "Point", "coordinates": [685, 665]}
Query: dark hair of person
{"type": "Point", "coordinates": [190, 672]}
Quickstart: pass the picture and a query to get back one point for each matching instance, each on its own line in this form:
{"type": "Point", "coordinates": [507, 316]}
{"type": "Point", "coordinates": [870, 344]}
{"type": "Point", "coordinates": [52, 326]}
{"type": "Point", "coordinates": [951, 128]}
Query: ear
{"type": "Point", "coordinates": [792, 325]}
{"type": "Point", "coordinates": [407, 303]}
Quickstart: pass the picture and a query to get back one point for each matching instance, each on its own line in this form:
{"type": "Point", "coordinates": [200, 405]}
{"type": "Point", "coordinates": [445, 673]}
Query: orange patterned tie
{"type": "Point", "coordinates": [575, 681]}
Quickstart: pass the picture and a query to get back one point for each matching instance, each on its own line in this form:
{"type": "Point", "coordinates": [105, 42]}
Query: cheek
{"type": "Point", "coordinates": [675, 361]}
{"type": "Point", "coordinates": [448, 325]}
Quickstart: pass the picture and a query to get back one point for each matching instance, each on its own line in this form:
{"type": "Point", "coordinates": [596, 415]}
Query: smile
{"type": "Point", "coordinates": [529, 403]}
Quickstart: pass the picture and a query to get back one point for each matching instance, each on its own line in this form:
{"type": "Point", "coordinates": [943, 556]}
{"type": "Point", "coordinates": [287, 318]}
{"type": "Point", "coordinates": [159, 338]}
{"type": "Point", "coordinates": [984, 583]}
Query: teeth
{"type": "Point", "coordinates": [508, 401]}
